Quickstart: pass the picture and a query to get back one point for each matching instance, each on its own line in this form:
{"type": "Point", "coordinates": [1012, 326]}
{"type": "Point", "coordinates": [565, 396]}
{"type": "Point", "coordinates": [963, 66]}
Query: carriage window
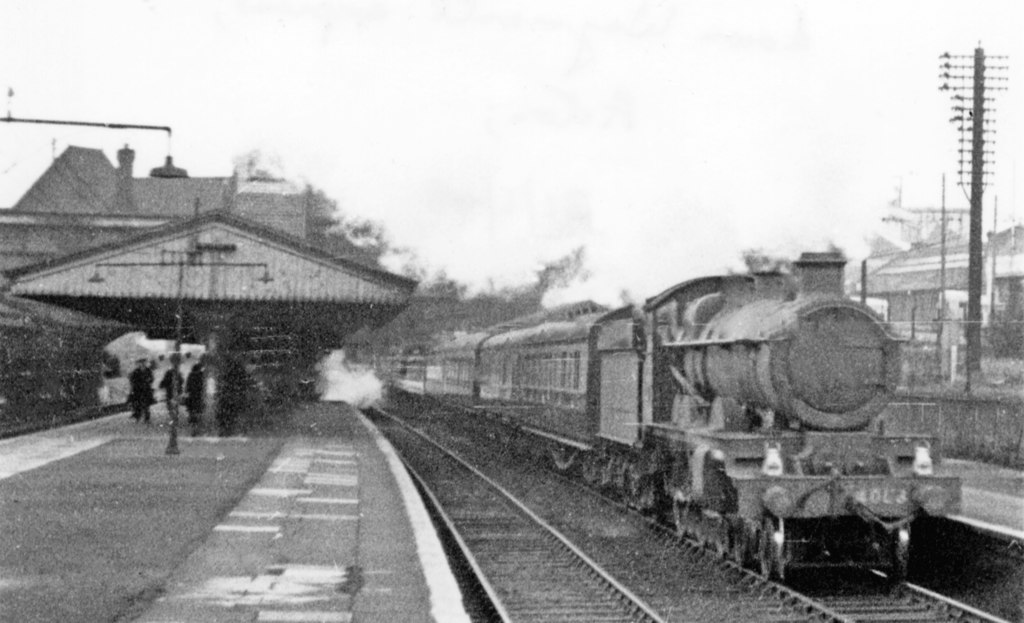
{"type": "Point", "coordinates": [576, 370]}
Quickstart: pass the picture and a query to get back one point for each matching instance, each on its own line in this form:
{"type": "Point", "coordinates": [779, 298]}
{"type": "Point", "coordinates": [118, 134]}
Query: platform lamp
{"type": "Point", "coordinates": [175, 397]}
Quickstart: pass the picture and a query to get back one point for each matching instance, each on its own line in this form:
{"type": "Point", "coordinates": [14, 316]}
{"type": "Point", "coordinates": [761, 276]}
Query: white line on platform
{"type": "Point", "coordinates": [340, 480]}
{"type": "Point", "coordinates": [33, 453]}
{"type": "Point", "coordinates": [314, 616]}
{"type": "Point", "coordinates": [235, 528]}
{"type": "Point", "coordinates": [1009, 500]}
{"type": "Point", "coordinates": [322, 573]}
{"type": "Point", "coordinates": [280, 515]}
{"type": "Point", "coordinates": [337, 461]}
{"type": "Point", "coordinates": [258, 514]}
{"type": "Point", "coordinates": [989, 527]}
{"type": "Point", "coordinates": [328, 500]}
{"type": "Point", "coordinates": [279, 493]}
{"type": "Point", "coordinates": [348, 453]}
{"type": "Point", "coordinates": [324, 517]}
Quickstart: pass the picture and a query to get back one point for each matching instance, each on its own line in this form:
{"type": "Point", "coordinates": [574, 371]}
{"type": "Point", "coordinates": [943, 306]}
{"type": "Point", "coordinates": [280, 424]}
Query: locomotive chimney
{"type": "Point", "coordinates": [820, 273]}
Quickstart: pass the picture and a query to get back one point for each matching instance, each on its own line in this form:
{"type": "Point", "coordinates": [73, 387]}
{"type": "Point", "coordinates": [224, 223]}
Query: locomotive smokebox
{"type": "Point", "coordinates": [818, 358]}
{"type": "Point", "coordinates": [820, 273]}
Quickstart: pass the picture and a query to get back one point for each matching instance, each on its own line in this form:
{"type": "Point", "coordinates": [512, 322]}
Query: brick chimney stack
{"type": "Point", "coordinates": [124, 194]}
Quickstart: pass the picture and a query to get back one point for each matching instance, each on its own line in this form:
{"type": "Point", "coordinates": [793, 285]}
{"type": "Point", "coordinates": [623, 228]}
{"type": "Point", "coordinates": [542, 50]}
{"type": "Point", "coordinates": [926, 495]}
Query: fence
{"type": "Point", "coordinates": [990, 430]}
{"type": "Point", "coordinates": [934, 356]}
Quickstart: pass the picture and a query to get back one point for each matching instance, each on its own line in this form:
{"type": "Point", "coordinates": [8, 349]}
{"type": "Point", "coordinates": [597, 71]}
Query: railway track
{"type": "Point", "coordinates": [873, 600]}
{"type": "Point", "coordinates": [63, 418]}
{"type": "Point", "coordinates": [529, 571]}
{"type": "Point", "coordinates": [532, 572]}
{"type": "Point", "coordinates": [699, 575]}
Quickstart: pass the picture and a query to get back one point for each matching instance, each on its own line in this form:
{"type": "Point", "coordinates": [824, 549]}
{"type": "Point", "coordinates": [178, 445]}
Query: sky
{"type": "Point", "coordinates": [492, 137]}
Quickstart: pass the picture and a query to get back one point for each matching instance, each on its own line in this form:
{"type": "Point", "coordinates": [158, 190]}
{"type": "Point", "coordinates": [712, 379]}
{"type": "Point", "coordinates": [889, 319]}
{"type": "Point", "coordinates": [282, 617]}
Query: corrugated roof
{"type": "Point", "coordinates": [26, 312]}
{"type": "Point", "coordinates": [263, 232]}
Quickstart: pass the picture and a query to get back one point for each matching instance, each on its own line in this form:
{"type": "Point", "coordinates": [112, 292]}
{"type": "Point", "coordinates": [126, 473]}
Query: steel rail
{"type": "Point", "coordinates": [961, 608]}
{"type": "Point", "coordinates": [478, 572]}
{"type": "Point", "coordinates": [637, 603]}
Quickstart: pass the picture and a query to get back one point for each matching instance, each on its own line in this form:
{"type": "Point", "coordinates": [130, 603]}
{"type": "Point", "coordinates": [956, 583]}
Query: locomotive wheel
{"type": "Point", "coordinates": [592, 471]}
{"type": "Point", "coordinates": [739, 541]}
{"type": "Point", "coordinates": [648, 493]}
{"type": "Point", "coordinates": [613, 475]}
{"type": "Point", "coordinates": [639, 492]}
{"type": "Point", "coordinates": [681, 515]}
{"type": "Point", "coordinates": [563, 459]}
{"type": "Point", "coordinates": [771, 547]}
{"type": "Point", "coordinates": [718, 534]}
{"type": "Point", "coordinates": [631, 485]}
{"type": "Point", "coordinates": [900, 555]}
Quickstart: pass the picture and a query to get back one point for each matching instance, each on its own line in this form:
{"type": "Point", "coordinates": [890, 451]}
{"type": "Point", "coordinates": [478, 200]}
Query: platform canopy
{"type": "Point", "coordinates": [216, 268]}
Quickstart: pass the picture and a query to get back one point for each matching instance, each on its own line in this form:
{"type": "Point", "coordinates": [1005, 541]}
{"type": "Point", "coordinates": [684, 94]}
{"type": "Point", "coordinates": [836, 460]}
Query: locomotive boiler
{"type": "Point", "coordinates": [743, 407]}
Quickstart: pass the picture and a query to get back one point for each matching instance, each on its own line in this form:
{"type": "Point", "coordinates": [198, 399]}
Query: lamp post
{"type": "Point", "coordinates": [180, 259]}
{"type": "Point", "coordinates": [175, 388]}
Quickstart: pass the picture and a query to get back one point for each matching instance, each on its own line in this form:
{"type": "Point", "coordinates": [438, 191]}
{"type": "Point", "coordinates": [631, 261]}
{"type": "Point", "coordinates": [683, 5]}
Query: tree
{"type": "Point", "coordinates": [327, 227]}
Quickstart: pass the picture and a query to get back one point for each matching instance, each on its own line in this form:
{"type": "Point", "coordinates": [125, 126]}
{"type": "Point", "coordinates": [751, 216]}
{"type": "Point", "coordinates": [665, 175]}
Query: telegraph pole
{"type": "Point", "coordinates": [972, 119]}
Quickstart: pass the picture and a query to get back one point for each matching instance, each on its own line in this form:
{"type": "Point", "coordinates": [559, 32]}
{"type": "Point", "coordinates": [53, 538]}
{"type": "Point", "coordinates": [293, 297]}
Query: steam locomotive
{"type": "Point", "coordinates": [746, 408]}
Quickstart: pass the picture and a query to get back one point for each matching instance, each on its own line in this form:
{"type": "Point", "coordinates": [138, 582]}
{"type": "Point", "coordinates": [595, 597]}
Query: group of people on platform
{"type": "Point", "coordinates": [192, 389]}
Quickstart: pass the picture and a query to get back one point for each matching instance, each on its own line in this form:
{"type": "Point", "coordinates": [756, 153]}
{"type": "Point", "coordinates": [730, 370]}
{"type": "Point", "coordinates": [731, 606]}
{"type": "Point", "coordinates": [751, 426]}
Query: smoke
{"type": "Point", "coordinates": [341, 381]}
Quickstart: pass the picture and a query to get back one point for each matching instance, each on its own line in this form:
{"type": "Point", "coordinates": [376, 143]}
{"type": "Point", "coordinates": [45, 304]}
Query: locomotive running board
{"type": "Point", "coordinates": [730, 342]}
{"type": "Point", "coordinates": [553, 437]}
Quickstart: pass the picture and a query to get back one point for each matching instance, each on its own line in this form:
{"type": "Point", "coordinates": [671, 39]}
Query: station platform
{"type": "Point", "coordinates": [328, 527]}
{"type": "Point", "coordinates": [98, 523]}
{"type": "Point", "coordinates": [992, 497]}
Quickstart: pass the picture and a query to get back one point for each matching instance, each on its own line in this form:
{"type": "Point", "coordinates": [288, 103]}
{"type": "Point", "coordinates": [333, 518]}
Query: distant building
{"type": "Point", "coordinates": [912, 281]}
{"type": "Point", "coordinates": [1005, 264]}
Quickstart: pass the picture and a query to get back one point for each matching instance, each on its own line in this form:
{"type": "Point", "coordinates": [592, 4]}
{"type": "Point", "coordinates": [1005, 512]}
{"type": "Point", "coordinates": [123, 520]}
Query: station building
{"type": "Point", "coordinates": [227, 262]}
{"type": "Point", "coordinates": [914, 281]}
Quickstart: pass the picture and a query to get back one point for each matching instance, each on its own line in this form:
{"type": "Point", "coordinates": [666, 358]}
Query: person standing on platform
{"type": "Point", "coordinates": [171, 383]}
{"type": "Point", "coordinates": [195, 394]}
{"type": "Point", "coordinates": [140, 395]}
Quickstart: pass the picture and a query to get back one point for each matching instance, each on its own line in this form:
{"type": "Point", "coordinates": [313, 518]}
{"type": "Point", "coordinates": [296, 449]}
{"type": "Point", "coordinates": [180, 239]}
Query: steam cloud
{"type": "Point", "coordinates": [341, 381]}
